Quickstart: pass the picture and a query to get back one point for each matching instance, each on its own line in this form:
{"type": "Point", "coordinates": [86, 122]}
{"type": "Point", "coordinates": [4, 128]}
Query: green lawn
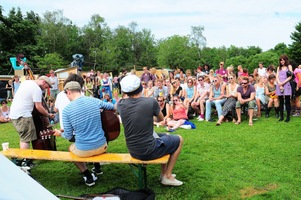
{"type": "Point", "coordinates": [226, 162]}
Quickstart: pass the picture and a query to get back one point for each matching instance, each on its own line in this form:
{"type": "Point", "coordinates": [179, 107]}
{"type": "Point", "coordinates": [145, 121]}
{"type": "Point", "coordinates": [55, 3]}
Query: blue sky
{"type": "Point", "coordinates": [241, 23]}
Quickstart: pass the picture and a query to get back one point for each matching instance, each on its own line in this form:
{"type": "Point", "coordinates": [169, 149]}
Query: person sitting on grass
{"type": "Point", "coordinates": [245, 96]}
{"type": "Point", "coordinates": [179, 114]}
{"type": "Point", "coordinates": [259, 94]}
{"type": "Point", "coordinates": [271, 97]}
{"type": "Point", "coordinates": [4, 112]}
{"type": "Point", "coordinates": [164, 108]}
{"type": "Point", "coordinates": [231, 95]}
{"type": "Point", "coordinates": [86, 126]}
{"type": "Point", "coordinates": [137, 117]}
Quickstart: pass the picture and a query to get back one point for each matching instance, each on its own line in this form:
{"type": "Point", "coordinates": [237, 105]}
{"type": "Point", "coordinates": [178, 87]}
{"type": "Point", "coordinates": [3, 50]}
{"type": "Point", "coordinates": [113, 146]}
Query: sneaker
{"type": "Point", "coordinates": [171, 182]}
{"type": "Point", "coordinates": [173, 175]}
{"type": "Point", "coordinates": [97, 171]}
{"type": "Point", "coordinates": [186, 126]}
{"type": "Point", "coordinates": [297, 114]}
{"type": "Point", "coordinates": [200, 119]}
{"type": "Point", "coordinates": [91, 181]}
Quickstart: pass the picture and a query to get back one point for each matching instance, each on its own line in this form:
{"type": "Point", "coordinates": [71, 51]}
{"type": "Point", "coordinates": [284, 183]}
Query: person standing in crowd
{"type": "Point", "coordinates": [107, 84]}
{"type": "Point", "coordinates": [9, 88]}
{"type": "Point", "coordinates": [16, 85]}
{"type": "Point", "coordinates": [137, 117]}
{"type": "Point", "coordinates": [29, 95]}
{"type": "Point", "coordinates": [222, 71]}
{"type": "Point", "coordinates": [261, 70]}
{"type": "Point", "coordinates": [146, 76]}
{"type": "Point", "coordinates": [283, 87]}
{"type": "Point", "coordinates": [55, 85]}
{"type": "Point", "coordinates": [296, 101]}
{"type": "Point", "coordinates": [86, 126]}
{"type": "Point", "coordinates": [245, 96]}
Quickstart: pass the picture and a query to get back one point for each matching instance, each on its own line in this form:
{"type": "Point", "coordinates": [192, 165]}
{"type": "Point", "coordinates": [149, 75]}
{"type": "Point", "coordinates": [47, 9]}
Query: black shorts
{"type": "Point", "coordinates": [165, 144]}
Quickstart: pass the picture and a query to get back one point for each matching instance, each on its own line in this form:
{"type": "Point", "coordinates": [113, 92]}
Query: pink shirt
{"type": "Point", "coordinates": [296, 71]}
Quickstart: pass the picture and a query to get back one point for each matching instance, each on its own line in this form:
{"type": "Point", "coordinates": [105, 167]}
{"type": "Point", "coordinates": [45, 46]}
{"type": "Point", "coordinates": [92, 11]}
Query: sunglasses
{"type": "Point", "coordinates": [200, 80]}
{"type": "Point", "coordinates": [160, 100]}
{"type": "Point", "coordinates": [189, 82]}
{"type": "Point", "coordinates": [244, 83]}
{"type": "Point", "coordinates": [175, 100]}
{"type": "Point", "coordinates": [143, 83]}
{"type": "Point", "coordinates": [214, 80]}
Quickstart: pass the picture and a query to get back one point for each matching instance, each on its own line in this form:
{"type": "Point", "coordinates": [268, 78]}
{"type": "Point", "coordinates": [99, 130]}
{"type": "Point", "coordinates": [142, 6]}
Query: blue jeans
{"type": "Point", "coordinates": [218, 105]}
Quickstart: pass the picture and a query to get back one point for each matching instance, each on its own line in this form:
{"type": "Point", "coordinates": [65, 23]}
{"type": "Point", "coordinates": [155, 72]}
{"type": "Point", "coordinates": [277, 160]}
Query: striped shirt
{"type": "Point", "coordinates": [82, 116]}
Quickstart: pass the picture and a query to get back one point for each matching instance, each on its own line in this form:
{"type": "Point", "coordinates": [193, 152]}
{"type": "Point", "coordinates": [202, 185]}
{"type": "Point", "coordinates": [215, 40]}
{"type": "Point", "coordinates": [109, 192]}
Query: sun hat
{"type": "Point", "coordinates": [45, 78]}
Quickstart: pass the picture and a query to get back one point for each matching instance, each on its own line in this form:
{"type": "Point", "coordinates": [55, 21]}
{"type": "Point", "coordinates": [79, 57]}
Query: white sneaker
{"type": "Point", "coordinates": [186, 126]}
{"type": "Point", "coordinates": [171, 182]}
{"type": "Point", "coordinates": [201, 119]}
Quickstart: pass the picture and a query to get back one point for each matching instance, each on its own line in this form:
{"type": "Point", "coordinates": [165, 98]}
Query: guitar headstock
{"type": "Point", "coordinates": [46, 134]}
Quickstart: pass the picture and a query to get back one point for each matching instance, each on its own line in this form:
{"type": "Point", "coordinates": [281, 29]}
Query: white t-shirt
{"type": "Point", "coordinates": [55, 81]}
{"type": "Point", "coordinates": [262, 71]}
{"type": "Point", "coordinates": [28, 93]}
{"type": "Point", "coordinates": [60, 103]}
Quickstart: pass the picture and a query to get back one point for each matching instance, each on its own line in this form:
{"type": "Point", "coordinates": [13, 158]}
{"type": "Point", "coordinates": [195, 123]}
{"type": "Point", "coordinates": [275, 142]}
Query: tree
{"type": "Point", "coordinates": [59, 35]}
{"type": "Point", "coordinates": [197, 39]}
{"type": "Point", "coordinates": [176, 52]}
{"type": "Point", "coordinates": [18, 34]}
{"type": "Point", "coordinates": [295, 47]}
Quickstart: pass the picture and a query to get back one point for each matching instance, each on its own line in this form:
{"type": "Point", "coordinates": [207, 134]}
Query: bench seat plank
{"type": "Point", "coordinates": [70, 157]}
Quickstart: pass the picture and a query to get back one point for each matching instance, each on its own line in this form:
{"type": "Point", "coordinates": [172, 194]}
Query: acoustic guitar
{"type": "Point", "coordinates": [110, 124]}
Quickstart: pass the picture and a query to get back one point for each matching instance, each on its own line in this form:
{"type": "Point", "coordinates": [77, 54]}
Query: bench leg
{"type": "Point", "coordinates": [139, 171]}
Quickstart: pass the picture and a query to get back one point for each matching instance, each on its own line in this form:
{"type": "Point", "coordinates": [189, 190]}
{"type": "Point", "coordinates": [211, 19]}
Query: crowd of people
{"type": "Point", "coordinates": [168, 100]}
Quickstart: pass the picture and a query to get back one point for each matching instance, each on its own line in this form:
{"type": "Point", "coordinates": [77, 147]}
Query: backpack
{"type": "Point", "coordinates": [124, 194]}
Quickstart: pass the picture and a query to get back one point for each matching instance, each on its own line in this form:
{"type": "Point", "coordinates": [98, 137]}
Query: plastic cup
{"type": "Point", "coordinates": [5, 146]}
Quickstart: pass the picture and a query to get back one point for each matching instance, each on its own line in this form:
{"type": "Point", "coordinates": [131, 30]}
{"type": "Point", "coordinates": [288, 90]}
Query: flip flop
{"type": "Point", "coordinates": [218, 123]}
{"type": "Point", "coordinates": [237, 123]}
{"type": "Point", "coordinates": [250, 124]}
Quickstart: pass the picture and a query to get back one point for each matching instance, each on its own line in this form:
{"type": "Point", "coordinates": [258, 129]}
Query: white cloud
{"type": "Point", "coordinates": [240, 23]}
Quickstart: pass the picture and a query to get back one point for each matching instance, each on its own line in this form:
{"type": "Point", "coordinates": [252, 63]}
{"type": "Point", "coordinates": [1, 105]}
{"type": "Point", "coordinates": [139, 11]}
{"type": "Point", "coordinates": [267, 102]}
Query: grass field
{"type": "Point", "coordinates": [226, 162]}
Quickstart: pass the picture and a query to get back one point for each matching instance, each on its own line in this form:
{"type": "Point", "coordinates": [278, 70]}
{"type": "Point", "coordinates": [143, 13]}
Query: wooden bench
{"type": "Point", "coordinates": [138, 166]}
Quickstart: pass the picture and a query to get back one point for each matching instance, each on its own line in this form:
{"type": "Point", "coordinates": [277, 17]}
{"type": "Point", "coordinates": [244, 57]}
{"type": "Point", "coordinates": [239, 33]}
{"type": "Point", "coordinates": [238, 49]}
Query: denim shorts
{"type": "Point", "coordinates": [165, 144]}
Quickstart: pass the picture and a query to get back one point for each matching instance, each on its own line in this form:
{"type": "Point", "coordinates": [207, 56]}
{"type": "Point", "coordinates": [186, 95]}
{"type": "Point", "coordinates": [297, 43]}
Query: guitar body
{"type": "Point", "coordinates": [42, 124]}
{"type": "Point", "coordinates": [110, 124]}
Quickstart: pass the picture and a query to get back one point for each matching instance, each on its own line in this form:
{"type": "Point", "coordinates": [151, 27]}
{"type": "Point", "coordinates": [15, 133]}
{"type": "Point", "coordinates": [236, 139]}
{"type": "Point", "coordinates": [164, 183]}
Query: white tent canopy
{"type": "Point", "coordinates": [17, 185]}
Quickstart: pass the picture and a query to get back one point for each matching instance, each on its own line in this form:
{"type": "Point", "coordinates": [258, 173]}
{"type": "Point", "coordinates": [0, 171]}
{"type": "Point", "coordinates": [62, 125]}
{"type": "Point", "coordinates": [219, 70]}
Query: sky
{"type": "Point", "coordinates": [242, 23]}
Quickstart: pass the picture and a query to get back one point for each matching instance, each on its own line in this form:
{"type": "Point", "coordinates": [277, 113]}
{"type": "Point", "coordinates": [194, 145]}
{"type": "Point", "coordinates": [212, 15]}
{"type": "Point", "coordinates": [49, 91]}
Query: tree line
{"type": "Point", "coordinates": [49, 41]}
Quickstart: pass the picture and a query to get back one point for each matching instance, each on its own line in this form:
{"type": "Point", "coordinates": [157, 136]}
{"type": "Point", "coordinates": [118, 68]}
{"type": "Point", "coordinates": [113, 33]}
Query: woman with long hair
{"type": "Point", "coordinates": [283, 87]}
{"type": "Point", "coordinates": [270, 96]}
{"type": "Point", "coordinates": [179, 114]}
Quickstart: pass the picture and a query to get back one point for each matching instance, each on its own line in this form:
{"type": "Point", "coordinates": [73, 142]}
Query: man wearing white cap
{"type": "Point", "coordinates": [29, 95]}
{"type": "Point", "coordinates": [137, 117]}
{"type": "Point", "coordinates": [86, 126]}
